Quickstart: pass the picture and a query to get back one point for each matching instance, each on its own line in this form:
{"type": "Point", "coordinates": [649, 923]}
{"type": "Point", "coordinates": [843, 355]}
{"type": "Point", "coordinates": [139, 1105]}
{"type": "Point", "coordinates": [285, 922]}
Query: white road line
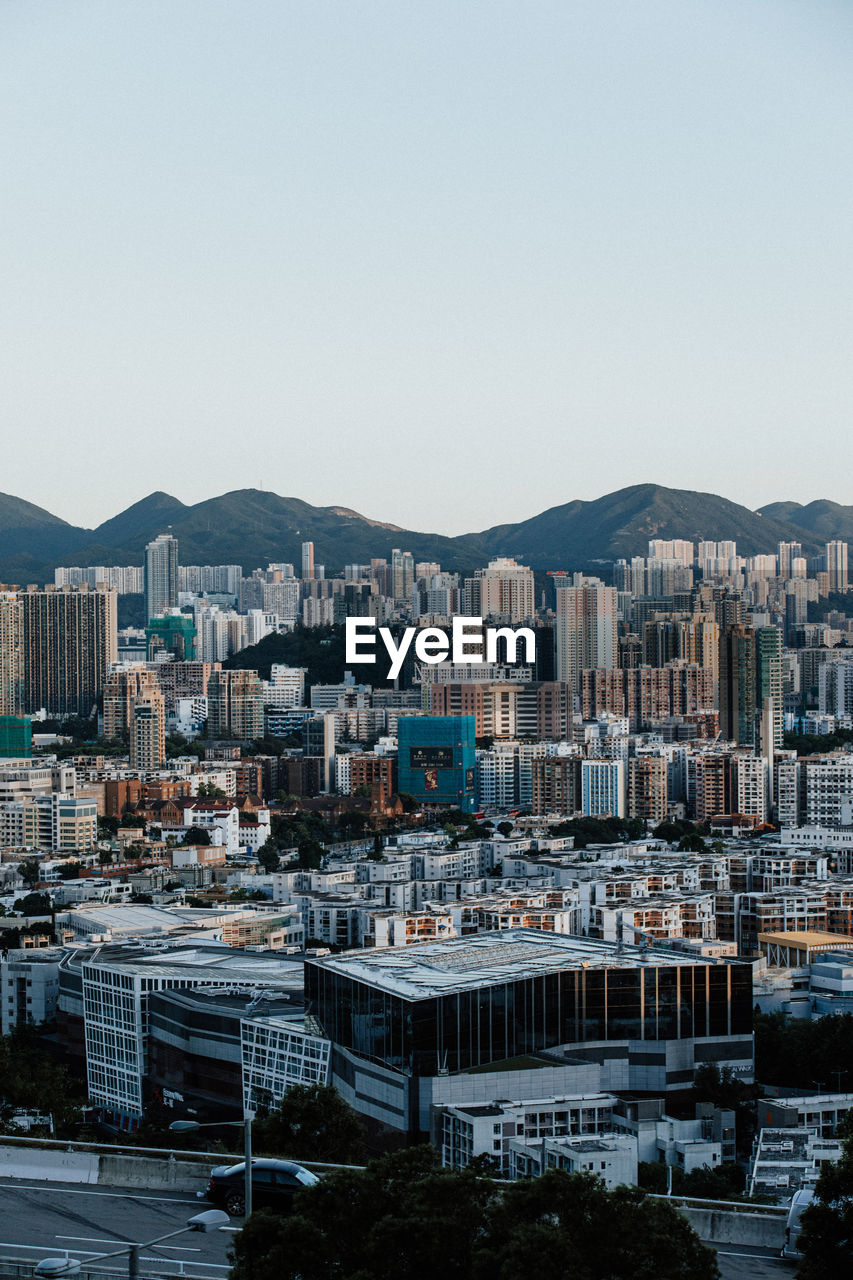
{"type": "Point", "coordinates": [130, 1194]}
{"type": "Point", "coordinates": [761, 1257]}
{"type": "Point", "coordinates": [103, 1240]}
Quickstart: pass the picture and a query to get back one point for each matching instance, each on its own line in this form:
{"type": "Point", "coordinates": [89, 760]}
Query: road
{"type": "Point", "coordinates": [52, 1219]}
{"type": "Point", "coordinates": [748, 1262]}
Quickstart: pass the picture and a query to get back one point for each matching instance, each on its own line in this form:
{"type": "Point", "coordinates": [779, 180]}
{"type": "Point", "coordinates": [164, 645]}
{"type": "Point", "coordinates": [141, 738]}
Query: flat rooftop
{"type": "Point", "coordinates": [464, 964]}
{"type": "Point", "coordinates": [807, 938]}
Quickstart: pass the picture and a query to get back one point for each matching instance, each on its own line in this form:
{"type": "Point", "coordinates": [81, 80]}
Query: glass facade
{"type": "Point", "coordinates": [467, 1029]}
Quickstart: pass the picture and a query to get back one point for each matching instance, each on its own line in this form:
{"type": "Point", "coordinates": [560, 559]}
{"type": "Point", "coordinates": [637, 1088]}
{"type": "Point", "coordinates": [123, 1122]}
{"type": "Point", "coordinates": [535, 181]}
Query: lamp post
{"type": "Point", "coordinates": [190, 1126]}
{"type": "Point", "coordinates": [54, 1268]}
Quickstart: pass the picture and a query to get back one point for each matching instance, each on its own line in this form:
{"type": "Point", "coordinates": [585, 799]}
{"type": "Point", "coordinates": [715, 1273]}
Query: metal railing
{"type": "Point", "coordinates": [174, 1153]}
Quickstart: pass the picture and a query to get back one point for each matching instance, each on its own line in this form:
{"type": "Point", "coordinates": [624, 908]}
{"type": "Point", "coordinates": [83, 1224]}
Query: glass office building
{"type": "Point", "coordinates": [465, 1003]}
{"type": "Point", "coordinates": [436, 759]}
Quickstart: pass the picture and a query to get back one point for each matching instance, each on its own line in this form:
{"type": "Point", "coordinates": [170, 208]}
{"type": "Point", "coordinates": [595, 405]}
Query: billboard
{"type": "Point", "coordinates": [430, 757]}
{"type": "Point", "coordinates": [469, 779]}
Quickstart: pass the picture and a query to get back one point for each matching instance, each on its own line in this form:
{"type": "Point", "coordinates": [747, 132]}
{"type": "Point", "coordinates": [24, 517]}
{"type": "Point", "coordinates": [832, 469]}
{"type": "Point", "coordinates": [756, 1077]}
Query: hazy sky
{"type": "Point", "coordinates": [446, 263]}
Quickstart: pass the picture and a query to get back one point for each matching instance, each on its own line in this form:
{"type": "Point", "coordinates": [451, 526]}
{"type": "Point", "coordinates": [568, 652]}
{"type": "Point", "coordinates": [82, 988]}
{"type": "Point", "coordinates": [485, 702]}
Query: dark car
{"type": "Point", "coordinates": [274, 1184]}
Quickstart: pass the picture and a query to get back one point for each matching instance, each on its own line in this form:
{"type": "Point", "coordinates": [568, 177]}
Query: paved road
{"type": "Point", "coordinates": [51, 1219]}
{"type": "Point", "coordinates": [747, 1262]}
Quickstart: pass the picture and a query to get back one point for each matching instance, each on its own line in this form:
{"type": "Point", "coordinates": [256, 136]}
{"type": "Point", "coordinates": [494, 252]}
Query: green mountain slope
{"type": "Point", "coordinates": [252, 527]}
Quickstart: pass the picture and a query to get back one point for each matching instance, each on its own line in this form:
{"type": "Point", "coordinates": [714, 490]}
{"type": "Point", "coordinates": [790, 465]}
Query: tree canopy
{"type": "Point", "coordinates": [406, 1218]}
{"type": "Point", "coordinates": [802, 1053]}
{"type": "Point", "coordinates": [312, 1122]}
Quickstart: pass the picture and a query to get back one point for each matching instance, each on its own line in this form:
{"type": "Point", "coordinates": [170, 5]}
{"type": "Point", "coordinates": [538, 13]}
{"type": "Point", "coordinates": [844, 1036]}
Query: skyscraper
{"type": "Point", "coordinates": [503, 590]}
{"type": "Point", "coordinates": [768, 654]}
{"type": "Point", "coordinates": [161, 575]}
{"type": "Point", "coordinates": [235, 701]}
{"type": "Point", "coordinates": [738, 679]}
{"type": "Point", "coordinates": [307, 560]}
{"type": "Point", "coordinates": [69, 641]}
{"type": "Point", "coordinates": [124, 685]}
{"type": "Point", "coordinates": [11, 655]}
{"type": "Point", "coordinates": [836, 565]}
{"type": "Point", "coordinates": [402, 575]}
{"type": "Point", "coordinates": [586, 631]}
{"type": "Point", "coordinates": [148, 730]}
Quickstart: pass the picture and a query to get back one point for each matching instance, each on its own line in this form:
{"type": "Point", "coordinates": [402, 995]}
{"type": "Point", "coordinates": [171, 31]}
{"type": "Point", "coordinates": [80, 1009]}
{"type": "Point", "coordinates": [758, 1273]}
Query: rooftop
{"type": "Point", "coordinates": [807, 938]}
{"type": "Point", "coordinates": [463, 964]}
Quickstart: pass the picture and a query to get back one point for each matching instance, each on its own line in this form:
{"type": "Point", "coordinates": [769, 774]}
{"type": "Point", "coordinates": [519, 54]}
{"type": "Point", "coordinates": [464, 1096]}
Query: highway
{"type": "Point", "coordinates": [50, 1219]}
{"type": "Point", "coordinates": [749, 1262]}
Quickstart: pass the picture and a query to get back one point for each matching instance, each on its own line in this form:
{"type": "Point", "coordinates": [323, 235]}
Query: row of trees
{"type": "Point", "coordinates": [406, 1218]}
{"type": "Point", "coordinates": [803, 1053]}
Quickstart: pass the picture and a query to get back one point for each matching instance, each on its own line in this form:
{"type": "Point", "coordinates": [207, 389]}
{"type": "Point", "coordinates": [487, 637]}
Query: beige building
{"type": "Point", "coordinates": [503, 590]}
{"type": "Point", "coordinates": [124, 685]}
{"type": "Point", "coordinates": [148, 731]}
{"type": "Point", "coordinates": [11, 655]}
{"type": "Point", "coordinates": [235, 702]}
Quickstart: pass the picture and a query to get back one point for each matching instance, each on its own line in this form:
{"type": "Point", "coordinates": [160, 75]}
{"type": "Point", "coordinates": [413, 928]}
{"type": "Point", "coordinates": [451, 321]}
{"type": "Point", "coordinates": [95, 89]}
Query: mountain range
{"type": "Point", "coordinates": [252, 527]}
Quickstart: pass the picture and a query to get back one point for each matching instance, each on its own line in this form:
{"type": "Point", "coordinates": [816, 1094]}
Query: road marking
{"type": "Point", "coordinates": [761, 1257]}
{"type": "Point", "coordinates": [129, 1194]}
{"type": "Point", "coordinates": [103, 1240]}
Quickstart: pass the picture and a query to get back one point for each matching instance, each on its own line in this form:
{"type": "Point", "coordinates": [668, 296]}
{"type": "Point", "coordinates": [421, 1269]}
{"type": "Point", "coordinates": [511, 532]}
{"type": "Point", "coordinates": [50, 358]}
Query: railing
{"type": "Point", "coordinates": [116, 1149]}
{"type": "Point", "coordinates": [737, 1206]}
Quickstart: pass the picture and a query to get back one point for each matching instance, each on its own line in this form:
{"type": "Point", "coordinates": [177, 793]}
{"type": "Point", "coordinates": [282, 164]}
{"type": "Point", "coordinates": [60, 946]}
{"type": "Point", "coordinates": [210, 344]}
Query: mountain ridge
{"type": "Point", "coordinates": [252, 527]}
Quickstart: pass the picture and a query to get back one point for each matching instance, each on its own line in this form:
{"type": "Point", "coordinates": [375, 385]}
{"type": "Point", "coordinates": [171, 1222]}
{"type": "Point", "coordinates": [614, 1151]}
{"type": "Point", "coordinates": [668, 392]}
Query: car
{"type": "Point", "coordinates": [274, 1185]}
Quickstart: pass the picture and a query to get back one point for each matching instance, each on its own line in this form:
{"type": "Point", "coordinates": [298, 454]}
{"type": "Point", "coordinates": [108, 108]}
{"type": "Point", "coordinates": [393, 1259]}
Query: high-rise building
{"type": "Point", "coordinates": [124, 685]}
{"type": "Point", "coordinates": [768, 653]}
{"type": "Point", "coordinates": [148, 731]}
{"type": "Point", "coordinates": [647, 788]}
{"type": "Point", "coordinates": [603, 788]}
{"type": "Point", "coordinates": [836, 565]}
{"type": "Point", "coordinates": [586, 634]}
{"type": "Point", "coordinates": [402, 575]}
{"type": "Point", "coordinates": [161, 575]}
{"type": "Point", "coordinates": [307, 560]}
{"type": "Point", "coordinates": [69, 641]}
{"type": "Point", "coordinates": [503, 590]}
{"type": "Point", "coordinates": [738, 679]}
{"type": "Point", "coordinates": [11, 654]}
{"type": "Point", "coordinates": [235, 702]}
{"type": "Point", "coordinates": [787, 553]}
{"type": "Point", "coordinates": [556, 784]}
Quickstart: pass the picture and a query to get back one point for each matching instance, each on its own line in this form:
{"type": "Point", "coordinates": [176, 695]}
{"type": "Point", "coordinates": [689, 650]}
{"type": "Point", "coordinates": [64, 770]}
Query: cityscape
{"type": "Point", "coordinates": [540, 911]}
{"type": "Point", "coordinates": [426, 640]}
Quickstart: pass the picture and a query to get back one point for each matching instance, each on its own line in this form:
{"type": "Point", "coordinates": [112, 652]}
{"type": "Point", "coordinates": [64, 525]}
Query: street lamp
{"type": "Point", "coordinates": [54, 1268]}
{"type": "Point", "coordinates": [190, 1126]}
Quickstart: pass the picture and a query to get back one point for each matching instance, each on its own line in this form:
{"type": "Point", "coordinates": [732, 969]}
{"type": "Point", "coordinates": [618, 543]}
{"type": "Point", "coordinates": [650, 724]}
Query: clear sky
{"type": "Point", "coordinates": [448, 262]}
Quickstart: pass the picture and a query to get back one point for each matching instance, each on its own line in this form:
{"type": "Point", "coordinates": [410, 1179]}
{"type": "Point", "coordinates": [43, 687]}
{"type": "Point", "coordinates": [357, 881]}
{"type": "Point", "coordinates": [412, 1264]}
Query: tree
{"type": "Point", "coordinates": [30, 871]}
{"type": "Point", "coordinates": [268, 856]}
{"type": "Point", "coordinates": [210, 791]}
{"type": "Point", "coordinates": [197, 835]}
{"type": "Point", "coordinates": [691, 843]}
{"type": "Point", "coordinates": [405, 1217]}
{"type": "Point", "coordinates": [312, 1122]}
{"type": "Point", "coordinates": [105, 857]}
{"type": "Point", "coordinates": [34, 904]}
{"type": "Point", "coordinates": [505, 828]}
{"type": "Point", "coordinates": [310, 853]}
{"type": "Point", "coordinates": [826, 1235]}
